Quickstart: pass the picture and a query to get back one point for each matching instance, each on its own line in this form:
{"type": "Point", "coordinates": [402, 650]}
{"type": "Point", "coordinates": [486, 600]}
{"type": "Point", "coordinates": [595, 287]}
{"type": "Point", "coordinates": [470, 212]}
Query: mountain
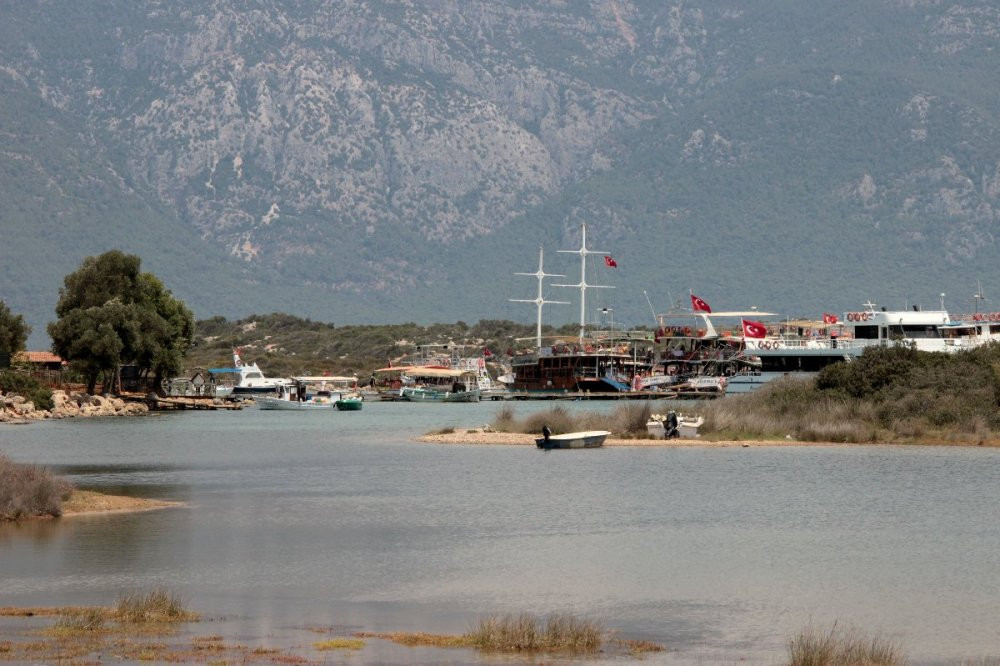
{"type": "Point", "coordinates": [360, 161]}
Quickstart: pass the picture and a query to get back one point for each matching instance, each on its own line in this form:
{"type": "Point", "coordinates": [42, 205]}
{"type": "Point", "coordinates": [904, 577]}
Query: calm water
{"type": "Point", "coordinates": [310, 519]}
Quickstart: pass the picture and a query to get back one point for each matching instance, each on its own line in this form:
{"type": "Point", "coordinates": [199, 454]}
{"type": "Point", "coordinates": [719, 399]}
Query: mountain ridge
{"type": "Point", "coordinates": [373, 162]}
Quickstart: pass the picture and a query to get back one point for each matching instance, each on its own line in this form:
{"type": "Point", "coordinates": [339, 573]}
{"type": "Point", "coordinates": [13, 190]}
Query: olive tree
{"type": "Point", "coordinates": [13, 331]}
{"type": "Point", "coordinates": [112, 314]}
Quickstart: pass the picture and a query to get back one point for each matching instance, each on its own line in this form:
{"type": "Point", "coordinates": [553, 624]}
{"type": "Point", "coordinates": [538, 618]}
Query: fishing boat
{"type": "Point", "coordinates": [588, 439]}
{"type": "Point", "coordinates": [440, 384]}
{"type": "Point", "coordinates": [349, 403]}
{"type": "Point", "coordinates": [251, 381]}
{"type": "Point", "coordinates": [306, 393]}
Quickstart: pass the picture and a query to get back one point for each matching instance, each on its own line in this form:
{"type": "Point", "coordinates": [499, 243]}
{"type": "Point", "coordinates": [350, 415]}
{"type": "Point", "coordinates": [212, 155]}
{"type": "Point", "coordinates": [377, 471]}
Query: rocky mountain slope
{"type": "Point", "coordinates": [383, 161]}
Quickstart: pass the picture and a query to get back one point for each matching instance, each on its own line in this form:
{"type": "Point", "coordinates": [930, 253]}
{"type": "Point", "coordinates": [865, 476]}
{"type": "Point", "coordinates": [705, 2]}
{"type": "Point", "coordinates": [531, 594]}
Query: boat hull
{"type": "Point", "coordinates": [430, 395]}
{"type": "Point", "coordinates": [590, 439]}
{"type": "Point", "coordinates": [267, 402]}
{"type": "Point", "coordinates": [349, 404]}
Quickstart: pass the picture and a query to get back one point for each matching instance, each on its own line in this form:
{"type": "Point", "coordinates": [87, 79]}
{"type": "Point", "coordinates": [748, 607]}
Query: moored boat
{"type": "Point", "coordinates": [588, 439]}
{"type": "Point", "coordinates": [251, 380]}
{"type": "Point", "coordinates": [349, 404]}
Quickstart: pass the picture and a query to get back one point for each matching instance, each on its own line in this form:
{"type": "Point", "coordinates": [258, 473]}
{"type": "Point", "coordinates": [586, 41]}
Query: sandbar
{"type": "Point", "coordinates": [88, 502]}
{"type": "Point", "coordinates": [485, 437]}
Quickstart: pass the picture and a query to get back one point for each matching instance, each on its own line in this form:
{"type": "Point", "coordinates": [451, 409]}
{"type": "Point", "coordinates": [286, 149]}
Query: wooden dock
{"type": "Point", "coordinates": [179, 403]}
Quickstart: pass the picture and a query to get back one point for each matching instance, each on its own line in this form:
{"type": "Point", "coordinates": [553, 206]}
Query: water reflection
{"type": "Point", "coordinates": [340, 520]}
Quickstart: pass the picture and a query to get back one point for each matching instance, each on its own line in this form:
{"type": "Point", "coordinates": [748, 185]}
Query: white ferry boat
{"type": "Point", "coordinates": [925, 330]}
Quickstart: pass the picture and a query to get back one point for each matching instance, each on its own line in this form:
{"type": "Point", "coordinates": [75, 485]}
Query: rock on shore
{"type": "Point", "coordinates": [16, 409]}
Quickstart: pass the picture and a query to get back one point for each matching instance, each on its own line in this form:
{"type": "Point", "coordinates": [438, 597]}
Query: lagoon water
{"type": "Point", "coordinates": [341, 519]}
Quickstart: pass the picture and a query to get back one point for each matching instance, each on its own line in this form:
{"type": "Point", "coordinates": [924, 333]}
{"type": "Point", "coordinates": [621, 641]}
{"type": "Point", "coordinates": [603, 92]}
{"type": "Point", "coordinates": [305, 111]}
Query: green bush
{"type": "Point", "coordinates": [27, 387]}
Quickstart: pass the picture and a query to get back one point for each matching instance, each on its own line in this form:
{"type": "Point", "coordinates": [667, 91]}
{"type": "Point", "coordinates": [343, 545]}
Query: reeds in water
{"type": "Point", "coordinates": [157, 605]}
{"type": "Point", "coordinates": [839, 647]}
{"type": "Point", "coordinates": [528, 633]}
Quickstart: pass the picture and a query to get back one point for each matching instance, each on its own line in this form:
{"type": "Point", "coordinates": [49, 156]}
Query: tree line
{"type": "Point", "coordinates": [111, 314]}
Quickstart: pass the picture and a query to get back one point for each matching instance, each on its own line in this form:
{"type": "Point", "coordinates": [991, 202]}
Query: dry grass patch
{"type": "Point", "coordinates": [340, 644]}
{"type": "Point", "coordinates": [30, 490]}
{"type": "Point", "coordinates": [528, 633]}
{"type": "Point", "coordinates": [839, 647]}
{"type": "Point", "coordinates": [86, 619]}
{"type": "Point", "coordinates": [156, 606]}
{"type": "Point", "coordinates": [637, 647]}
{"type": "Point", "coordinates": [417, 639]}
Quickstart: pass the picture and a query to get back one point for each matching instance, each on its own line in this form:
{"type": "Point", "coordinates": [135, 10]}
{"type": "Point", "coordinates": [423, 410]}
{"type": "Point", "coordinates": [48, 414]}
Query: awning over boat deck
{"type": "Point", "coordinates": [325, 378]}
{"type": "Point", "coordinates": [433, 371]}
{"type": "Point", "coordinates": [222, 371]}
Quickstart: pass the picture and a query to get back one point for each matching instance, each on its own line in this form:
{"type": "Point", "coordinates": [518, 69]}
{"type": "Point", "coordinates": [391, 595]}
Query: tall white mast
{"type": "Point", "coordinates": [582, 284]}
{"type": "Point", "coordinates": [539, 300]}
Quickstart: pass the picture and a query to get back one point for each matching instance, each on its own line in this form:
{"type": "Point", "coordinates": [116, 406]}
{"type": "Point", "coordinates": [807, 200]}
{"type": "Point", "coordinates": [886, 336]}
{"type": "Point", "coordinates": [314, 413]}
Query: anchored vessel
{"type": "Point", "coordinates": [924, 330]}
{"type": "Point", "coordinates": [597, 362]}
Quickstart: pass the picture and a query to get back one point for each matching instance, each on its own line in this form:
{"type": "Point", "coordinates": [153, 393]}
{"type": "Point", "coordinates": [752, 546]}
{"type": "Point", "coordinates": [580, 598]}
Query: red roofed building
{"type": "Point", "coordinates": [39, 360]}
{"type": "Point", "coordinates": [42, 365]}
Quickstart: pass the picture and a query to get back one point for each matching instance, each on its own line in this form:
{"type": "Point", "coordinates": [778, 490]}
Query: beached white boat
{"type": "Point", "coordinates": [588, 439]}
{"type": "Point", "coordinates": [686, 426]}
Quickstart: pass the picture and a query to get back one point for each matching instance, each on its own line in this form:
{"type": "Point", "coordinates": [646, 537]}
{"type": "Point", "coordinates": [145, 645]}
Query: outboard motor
{"type": "Point", "coordinates": [670, 426]}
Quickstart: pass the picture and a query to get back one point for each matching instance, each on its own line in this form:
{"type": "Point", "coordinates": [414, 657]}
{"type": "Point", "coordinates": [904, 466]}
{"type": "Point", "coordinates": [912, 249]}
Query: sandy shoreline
{"type": "Point", "coordinates": [88, 502]}
{"type": "Point", "coordinates": [477, 436]}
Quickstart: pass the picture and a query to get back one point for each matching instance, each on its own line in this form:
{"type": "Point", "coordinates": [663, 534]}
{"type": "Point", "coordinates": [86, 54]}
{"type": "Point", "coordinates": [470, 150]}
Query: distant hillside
{"type": "Point", "coordinates": [378, 162]}
{"type": "Point", "coordinates": [287, 345]}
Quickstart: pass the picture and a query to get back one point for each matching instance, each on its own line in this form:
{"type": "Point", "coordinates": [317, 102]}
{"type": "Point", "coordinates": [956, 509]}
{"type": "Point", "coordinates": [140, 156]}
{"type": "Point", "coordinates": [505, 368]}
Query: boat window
{"type": "Point", "coordinates": [994, 328]}
{"type": "Point", "coordinates": [254, 375]}
{"type": "Point", "coordinates": [915, 331]}
{"type": "Point", "coordinates": [866, 332]}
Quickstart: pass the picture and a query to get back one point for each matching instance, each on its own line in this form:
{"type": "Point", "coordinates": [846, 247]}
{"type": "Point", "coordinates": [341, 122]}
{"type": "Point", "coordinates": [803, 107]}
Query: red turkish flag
{"type": "Point", "coordinates": [699, 305]}
{"type": "Point", "coordinates": [609, 262]}
{"type": "Point", "coordinates": [829, 318]}
{"type": "Point", "coordinates": [753, 329]}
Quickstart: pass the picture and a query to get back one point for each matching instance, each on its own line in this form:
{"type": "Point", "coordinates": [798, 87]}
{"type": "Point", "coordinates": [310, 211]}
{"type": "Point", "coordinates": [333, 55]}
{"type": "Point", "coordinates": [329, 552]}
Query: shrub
{"type": "Point", "coordinates": [27, 387]}
{"type": "Point", "coordinates": [30, 490]}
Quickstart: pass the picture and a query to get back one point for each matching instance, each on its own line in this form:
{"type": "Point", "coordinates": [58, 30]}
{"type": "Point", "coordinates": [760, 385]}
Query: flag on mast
{"type": "Point", "coordinates": [698, 305]}
{"type": "Point", "coordinates": [753, 329]}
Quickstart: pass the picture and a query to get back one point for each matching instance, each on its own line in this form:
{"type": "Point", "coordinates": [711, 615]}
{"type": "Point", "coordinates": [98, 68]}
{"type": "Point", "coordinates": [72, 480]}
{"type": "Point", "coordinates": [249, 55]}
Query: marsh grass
{"type": "Point", "coordinates": [83, 619]}
{"type": "Point", "coordinates": [30, 490]}
{"type": "Point", "coordinates": [156, 606]}
{"type": "Point", "coordinates": [340, 644]}
{"type": "Point", "coordinates": [417, 639]}
{"type": "Point", "coordinates": [839, 647]}
{"type": "Point", "coordinates": [528, 633]}
{"type": "Point", "coordinates": [627, 419]}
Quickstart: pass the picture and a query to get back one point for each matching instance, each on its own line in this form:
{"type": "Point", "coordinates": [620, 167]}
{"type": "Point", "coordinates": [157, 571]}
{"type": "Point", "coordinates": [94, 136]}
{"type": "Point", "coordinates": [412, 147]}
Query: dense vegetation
{"type": "Point", "coordinates": [887, 394]}
{"type": "Point", "coordinates": [283, 344]}
{"type": "Point", "coordinates": [112, 314]}
{"type": "Point", "coordinates": [27, 387]}
{"type": "Point", "coordinates": [13, 331]}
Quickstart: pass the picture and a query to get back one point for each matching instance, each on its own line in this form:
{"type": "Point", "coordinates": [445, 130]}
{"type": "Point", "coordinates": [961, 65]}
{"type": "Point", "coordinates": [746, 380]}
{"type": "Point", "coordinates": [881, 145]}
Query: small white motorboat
{"type": "Point", "coordinates": [588, 439]}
